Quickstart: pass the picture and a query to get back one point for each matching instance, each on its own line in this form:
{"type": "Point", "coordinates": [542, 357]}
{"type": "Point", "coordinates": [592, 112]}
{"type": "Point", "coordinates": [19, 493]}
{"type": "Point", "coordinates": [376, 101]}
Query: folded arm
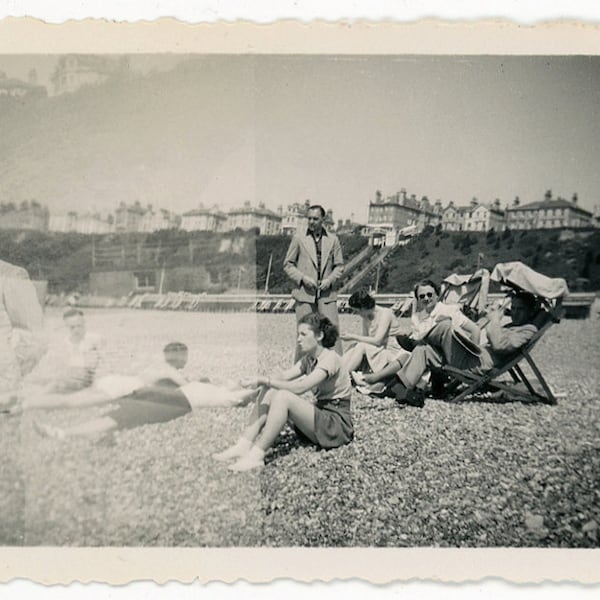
{"type": "Point", "coordinates": [505, 340]}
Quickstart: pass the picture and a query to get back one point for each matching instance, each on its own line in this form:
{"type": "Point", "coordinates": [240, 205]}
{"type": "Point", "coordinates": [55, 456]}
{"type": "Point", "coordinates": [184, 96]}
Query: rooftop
{"type": "Point", "coordinates": [551, 203]}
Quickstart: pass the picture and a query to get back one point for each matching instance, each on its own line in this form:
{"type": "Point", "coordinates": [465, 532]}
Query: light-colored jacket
{"type": "Point", "coordinates": [301, 261]}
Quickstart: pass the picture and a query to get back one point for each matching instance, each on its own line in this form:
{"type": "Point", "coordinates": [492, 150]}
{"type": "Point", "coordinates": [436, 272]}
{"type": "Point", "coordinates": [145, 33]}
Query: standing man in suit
{"type": "Point", "coordinates": [314, 262]}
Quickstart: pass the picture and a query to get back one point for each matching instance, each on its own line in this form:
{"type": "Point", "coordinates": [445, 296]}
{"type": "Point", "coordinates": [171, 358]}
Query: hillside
{"type": "Point", "coordinates": [576, 257]}
{"type": "Point", "coordinates": [66, 259]}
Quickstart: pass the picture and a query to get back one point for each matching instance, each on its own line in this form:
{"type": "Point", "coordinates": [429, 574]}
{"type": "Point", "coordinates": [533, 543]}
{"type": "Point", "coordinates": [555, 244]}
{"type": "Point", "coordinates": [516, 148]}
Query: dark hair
{"type": "Point", "coordinates": [72, 312]}
{"type": "Point", "coordinates": [319, 208]}
{"type": "Point", "coordinates": [175, 347]}
{"type": "Point", "coordinates": [323, 325]}
{"type": "Point", "coordinates": [361, 300]}
{"type": "Point", "coordinates": [429, 283]}
{"type": "Point", "coordinates": [530, 301]}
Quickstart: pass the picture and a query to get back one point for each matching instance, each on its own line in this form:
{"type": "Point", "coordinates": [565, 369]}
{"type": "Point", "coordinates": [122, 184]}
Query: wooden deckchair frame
{"type": "Point", "coordinates": [511, 366]}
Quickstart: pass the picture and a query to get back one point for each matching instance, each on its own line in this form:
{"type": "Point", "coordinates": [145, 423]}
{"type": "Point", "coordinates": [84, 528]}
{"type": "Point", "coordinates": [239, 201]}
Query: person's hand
{"type": "Point", "coordinates": [346, 337]}
{"type": "Point", "coordinates": [309, 283]}
{"type": "Point", "coordinates": [495, 314]}
{"type": "Point", "coordinates": [325, 285]}
{"type": "Point", "coordinates": [250, 382]}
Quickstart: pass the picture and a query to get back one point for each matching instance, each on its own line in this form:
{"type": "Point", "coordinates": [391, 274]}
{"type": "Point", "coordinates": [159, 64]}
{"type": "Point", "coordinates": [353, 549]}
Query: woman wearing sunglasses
{"type": "Point", "coordinates": [427, 312]}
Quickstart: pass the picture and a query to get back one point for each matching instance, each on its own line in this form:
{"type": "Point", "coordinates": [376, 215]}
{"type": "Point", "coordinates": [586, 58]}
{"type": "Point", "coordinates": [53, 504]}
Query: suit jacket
{"type": "Point", "coordinates": [301, 261]}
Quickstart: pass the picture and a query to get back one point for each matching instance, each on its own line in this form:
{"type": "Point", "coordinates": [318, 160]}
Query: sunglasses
{"type": "Point", "coordinates": [427, 295]}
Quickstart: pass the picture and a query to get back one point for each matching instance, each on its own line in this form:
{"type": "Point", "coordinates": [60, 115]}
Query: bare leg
{"type": "Point", "coordinates": [259, 415]}
{"type": "Point", "coordinates": [86, 397]}
{"type": "Point", "coordinates": [285, 404]}
{"type": "Point", "coordinates": [384, 374]}
{"type": "Point", "coordinates": [243, 397]}
{"type": "Point", "coordinates": [256, 422]}
{"type": "Point", "coordinates": [354, 356]}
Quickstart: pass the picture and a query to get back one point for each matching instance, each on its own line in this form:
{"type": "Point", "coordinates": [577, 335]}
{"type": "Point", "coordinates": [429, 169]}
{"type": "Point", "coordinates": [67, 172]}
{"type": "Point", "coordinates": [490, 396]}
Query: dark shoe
{"type": "Point", "coordinates": [399, 392]}
{"type": "Point", "coordinates": [438, 385]}
{"type": "Point", "coordinates": [415, 398]}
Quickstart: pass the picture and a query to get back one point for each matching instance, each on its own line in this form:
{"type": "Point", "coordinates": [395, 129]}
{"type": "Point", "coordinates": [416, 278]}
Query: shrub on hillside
{"type": "Point", "coordinates": [455, 264]}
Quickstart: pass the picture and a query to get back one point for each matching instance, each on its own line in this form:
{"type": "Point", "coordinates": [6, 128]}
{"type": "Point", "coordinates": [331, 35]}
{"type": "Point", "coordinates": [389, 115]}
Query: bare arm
{"type": "Point", "coordinates": [472, 329]}
{"type": "Point", "coordinates": [294, 372]}
{"type": "Point", "coordinates": [301, 384]}
{"type": "Point", "coordinates": [381, 334]}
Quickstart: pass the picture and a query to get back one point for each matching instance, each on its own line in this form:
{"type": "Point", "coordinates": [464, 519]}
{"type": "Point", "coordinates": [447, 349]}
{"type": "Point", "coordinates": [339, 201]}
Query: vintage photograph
{"type": "Point", "coordinates": [307, 301]}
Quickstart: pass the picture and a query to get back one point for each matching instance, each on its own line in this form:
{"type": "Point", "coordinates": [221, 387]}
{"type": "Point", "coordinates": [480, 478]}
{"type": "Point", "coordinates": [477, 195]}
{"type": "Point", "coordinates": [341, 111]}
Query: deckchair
{"type": "Point", "coordinates": [290, 305]}
{"type": "Point", "coordinates": [470, 291]}
{"type": "Point", "coordinates": [278, 306]}
{"type": "Point", "coordinates": [550, 292]}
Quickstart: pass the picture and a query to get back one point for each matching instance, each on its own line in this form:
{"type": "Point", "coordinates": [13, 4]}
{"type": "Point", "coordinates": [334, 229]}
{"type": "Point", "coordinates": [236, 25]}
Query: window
{"type": "Point", "coordinates": [145, 280]}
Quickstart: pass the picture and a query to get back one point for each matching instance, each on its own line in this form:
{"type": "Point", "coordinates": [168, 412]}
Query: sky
{"type": "Point", "coordinates": [336, 129]}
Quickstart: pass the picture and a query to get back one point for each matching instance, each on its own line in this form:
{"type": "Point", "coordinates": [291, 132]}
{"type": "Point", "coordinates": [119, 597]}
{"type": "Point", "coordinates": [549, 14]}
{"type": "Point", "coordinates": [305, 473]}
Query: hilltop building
{"type": "Point", "coordinates": [129, 217]}
{"type": "Point", "coordinates": [155, 220]}
{"type": "Point", "coordinates": [15, 89]}
{"type": "Point", "coordinates": [389, 216]}
{"type": "Point", "coordinates": [548, 213]}
{"type": "Point", "coordinates": [248, 217]}
{"type": "Point", "coordinates": [88, 223]}
{"type": "Point", "coordinates": [204, 219]}
{"type": "Point", "coordinates": [347, 227]}
{"type": "Point", "coordinates": [74, 71]}
{"type": "Point", "coordinates": [28, 215]}
{"type": "Point", "coordinates": [474, 217]}
{"type": "Point", "coordinates": [136, 218]}
{"type": "Point", "coordinates": [295, 218]}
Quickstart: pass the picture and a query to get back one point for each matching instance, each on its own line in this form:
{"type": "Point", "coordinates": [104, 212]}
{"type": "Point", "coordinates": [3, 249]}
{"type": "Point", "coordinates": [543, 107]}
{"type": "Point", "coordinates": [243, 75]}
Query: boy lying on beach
{"type": "Point", "coordinates": [157, 395]}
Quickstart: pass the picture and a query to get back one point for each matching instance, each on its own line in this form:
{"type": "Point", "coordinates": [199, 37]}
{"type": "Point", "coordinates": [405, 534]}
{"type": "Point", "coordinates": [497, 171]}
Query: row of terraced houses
{"type": "Point", "coordinates": [137, 218]}
{"type": "Point", "coordinates": [400, 213]}
{"type": "Point", "coordinates": [388, 218]}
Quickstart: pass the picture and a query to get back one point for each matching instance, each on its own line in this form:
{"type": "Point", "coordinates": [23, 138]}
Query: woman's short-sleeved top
{"type": "Point", "coordinates": [394, 329]}
{"type": "Point", "coordinates": [337, 384]}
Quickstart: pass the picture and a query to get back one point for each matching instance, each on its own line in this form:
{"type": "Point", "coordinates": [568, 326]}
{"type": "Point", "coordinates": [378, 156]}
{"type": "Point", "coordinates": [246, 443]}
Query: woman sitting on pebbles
{"type": "Point", "coordinates": [327, 423]}
{"type": "Point", "coordinates": [377, 347]}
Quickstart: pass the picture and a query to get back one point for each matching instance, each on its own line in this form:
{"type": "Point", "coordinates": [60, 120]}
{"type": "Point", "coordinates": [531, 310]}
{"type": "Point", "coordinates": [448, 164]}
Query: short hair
{"type": "Point", "coordinates": [530, 300]}
{"type": "Point", "coordinates": [361, 300]}
{"type": "Point", "coordinates": [319, 208]}
{"type": "Point", "coordinates": [427, 282]}
{"type": "Point", "coordinates": [321, 324]}
{"type": "Point", "coordinates": [72, 312]}
{"type": "Point", "coordinates": [175, 347]}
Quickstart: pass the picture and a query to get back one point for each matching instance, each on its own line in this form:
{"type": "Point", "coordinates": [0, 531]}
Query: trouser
{"type": "Point", "coordinates": [441, 348]}
{"type": "Point", "coordinates": [325, 309]}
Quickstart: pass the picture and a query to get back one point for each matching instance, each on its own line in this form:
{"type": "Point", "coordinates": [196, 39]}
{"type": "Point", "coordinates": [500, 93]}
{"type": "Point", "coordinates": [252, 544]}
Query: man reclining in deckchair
{"type": "Point", "coordinates": [484, 350]}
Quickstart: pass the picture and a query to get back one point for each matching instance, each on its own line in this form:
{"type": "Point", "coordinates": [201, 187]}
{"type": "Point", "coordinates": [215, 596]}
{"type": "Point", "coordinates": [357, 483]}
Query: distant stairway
{"type": "Point", "coordinates": [356, 262]}
{"type": "Point", "coordinates": [366, 269]}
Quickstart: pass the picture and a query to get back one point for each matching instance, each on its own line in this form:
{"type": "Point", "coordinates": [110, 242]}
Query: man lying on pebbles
{"type": "Point", "coordinates": [157, 395]}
